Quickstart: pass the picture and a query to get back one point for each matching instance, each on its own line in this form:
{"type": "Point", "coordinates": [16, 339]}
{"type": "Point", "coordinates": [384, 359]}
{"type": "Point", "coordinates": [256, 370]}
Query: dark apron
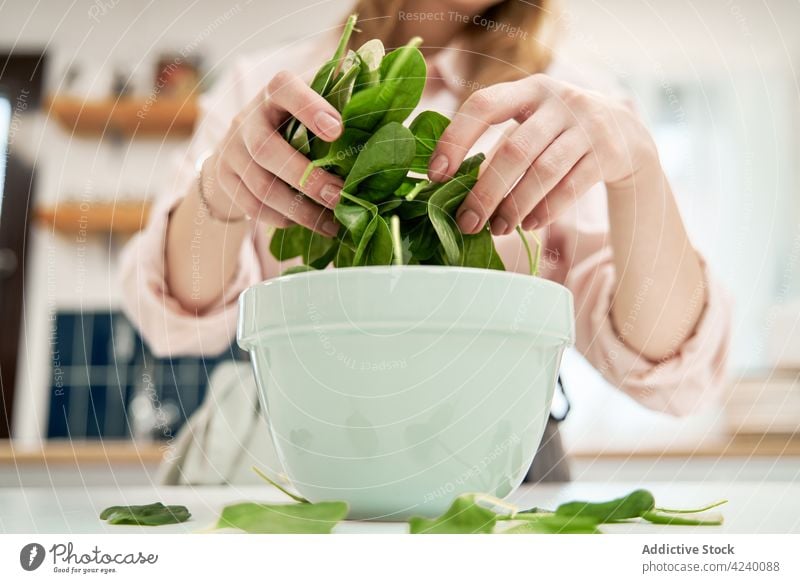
{"type": "Point", "coordinates": [551, 463]}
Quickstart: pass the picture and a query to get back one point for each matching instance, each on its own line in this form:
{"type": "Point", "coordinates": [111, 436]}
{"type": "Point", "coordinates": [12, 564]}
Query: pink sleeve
{"type": "Point", "coordinates": [683, 383]}
{"type": "Point", "coordinates": [168, 329]}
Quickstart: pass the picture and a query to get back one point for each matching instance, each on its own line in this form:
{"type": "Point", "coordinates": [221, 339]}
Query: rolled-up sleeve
{"type": "Point", "coordinates": [689, 378]}
{"type": "Point", "coordinates": [167, 328]}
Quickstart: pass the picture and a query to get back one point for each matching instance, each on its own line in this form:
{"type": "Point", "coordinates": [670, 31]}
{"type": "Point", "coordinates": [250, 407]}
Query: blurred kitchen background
{"type": "Point", "coordinates": [96, 96]}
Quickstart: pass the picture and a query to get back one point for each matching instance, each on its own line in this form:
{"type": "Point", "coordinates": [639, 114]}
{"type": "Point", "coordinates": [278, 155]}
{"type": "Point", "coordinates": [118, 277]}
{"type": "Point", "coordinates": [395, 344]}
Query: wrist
{"type": "Point", "coordinates": [211, 197]}
{"type": "Point", "coordinates": [647, 173]}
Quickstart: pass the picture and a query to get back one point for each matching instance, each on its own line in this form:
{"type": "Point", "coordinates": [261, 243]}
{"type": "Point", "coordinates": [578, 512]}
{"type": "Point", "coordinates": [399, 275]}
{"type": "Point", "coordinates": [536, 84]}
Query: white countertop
{"type": "Point", "coordinates": [754, 507]}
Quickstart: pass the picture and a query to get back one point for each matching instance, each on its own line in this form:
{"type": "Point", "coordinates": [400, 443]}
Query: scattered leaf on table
{"type": "Point", "coordinates": [307, 518]}
{"type": "Point", "coordinates": [465, 516]}
{"type": "Point", "coordinates": [553, 524]}
{"type": "Point", "coordinates": [154, 514]}
{"type": "Point", "coordinates": [632, 505]}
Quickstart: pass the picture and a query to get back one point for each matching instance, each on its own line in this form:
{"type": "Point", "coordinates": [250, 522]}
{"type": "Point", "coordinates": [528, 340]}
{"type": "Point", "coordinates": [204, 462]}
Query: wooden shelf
{"type": "Point", "coordinates": [741, 445]}
{"type": "Point", "coordinates": [82, 451]}
{"type": "Point", "coordinates": [126, 451]}
{"type": "Point", "coordinates": [765, 402]}
{"type": "Point", "coordinates": [118, 218]}
{"type": "Point", "coordinates": [129, 117]}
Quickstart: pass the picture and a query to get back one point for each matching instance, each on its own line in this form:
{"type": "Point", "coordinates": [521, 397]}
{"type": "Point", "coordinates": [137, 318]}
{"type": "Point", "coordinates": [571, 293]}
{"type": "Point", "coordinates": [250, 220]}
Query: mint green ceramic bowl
{"type": "Point", "coordinates": [396, 389]}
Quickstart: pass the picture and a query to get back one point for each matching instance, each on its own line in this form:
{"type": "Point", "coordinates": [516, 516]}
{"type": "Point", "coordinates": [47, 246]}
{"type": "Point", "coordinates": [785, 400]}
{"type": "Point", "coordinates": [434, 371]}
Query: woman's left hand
{"type": "Point", "coordinates": [568, 140]}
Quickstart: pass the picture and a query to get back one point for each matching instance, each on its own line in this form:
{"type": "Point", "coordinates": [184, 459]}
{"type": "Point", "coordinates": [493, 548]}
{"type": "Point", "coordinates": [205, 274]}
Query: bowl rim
{"type": "Point", "coordinates": [379, 269]}
{"type": "Point", "coordinates": [248, 336]}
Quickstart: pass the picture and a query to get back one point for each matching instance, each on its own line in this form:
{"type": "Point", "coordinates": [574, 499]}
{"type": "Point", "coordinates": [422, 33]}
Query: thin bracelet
{"type": "Point", "coordinates": [204, 200]}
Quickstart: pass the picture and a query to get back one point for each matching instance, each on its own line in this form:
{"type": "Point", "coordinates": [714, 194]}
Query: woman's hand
{"type": "Point", "coordinates": [255, 172]}
{"type": "Point", "coordinates": [568, 140]}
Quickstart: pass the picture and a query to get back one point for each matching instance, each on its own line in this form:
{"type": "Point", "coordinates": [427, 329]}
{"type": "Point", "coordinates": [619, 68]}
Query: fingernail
{"type": "Point", "coordinates": [499, 226]}
{"type": "Point", "coordinates": [439, 165]}
{"type": "Point", "coordinates": [468, 221]}
{"type": "Point", "coordinates": [330, 228]}
{"type": "Point", "coordinates": [327, 124]}
{"type": "Point", "coordinates": [330, 193]}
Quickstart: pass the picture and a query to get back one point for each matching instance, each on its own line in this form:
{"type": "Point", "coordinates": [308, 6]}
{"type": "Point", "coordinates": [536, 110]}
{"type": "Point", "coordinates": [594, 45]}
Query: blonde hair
{"type": "Point", "coordinates": [508, 41]}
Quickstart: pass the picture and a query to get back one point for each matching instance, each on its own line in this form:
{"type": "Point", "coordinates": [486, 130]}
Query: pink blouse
{"type": "Point", "coordinates": [576, 254]}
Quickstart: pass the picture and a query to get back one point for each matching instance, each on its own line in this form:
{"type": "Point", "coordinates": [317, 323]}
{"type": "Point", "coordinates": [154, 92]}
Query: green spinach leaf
{"type": "Point", "coordinates": [289, 242]}
{"type": "Point", "coordinates": [479, 251]}
{"type": "Point", "coordinates": [342, 89]}
{"type": "Point", "coordinates": [354, 218]}
{"type": "Point", "coordinates": [371, 54]}
{"type": "Point", "coordinates": [633, 505]}
{"type": "Point", "coordinates": [555, 525]}
{"type": "Point", "coordinates": [307, 518]}
{"type": "Point", "coordinates": [427, 128]}
{"type": "Point", "coordinates": [403, 73]}
{"type": "Point", "coordinates": [382, 164]}
{"type": "Point", "coordinates": [338, 156]}
{"type": "Point", "coordinates": [298, 269]}
{"type": "Point", "coordinates": [154, 514]}
{"type": "Point", "coordinates": [465, 516]}
{"type": "Point", "coordinates": [344, 256]}
{"type": "Point", "coordinates": [380, 249]}
{"type": "Point", "coordinates": [322, 83]}
{"type": "Point", "coordinates": [298, 241]}
{"type": "Point", "coordinates": [422, 240]}
{"type": "Point", "coordinates": [445, 200]}
{"type": "Point", "coordinates": [364, 254]}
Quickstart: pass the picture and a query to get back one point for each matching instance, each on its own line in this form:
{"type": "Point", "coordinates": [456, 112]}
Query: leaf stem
{"type": "Point", "coordinates": [417, 189]}
{"type": "Point", "coordinates": [401, 59]}
{"type": "Point", "coordinates": [533, 261]}
{"type": "Point", "coordinates": [538, 259]}
{"type": "Point", "coordinates": [344, 40]}
{"type": "Point", "coordinates": [396, 242]}
{"type": "Point", "coordinates": [498, 502]}
{"type": "Point", "coordinates": [659, 518]}
{"type": "Point", "coordinates": [362, 203]}
{"type": "Point", "coordinates": [691, 510]}
{"type": "Point", "coordinates": [267, 479]}
{"type": "Point", "coordinates": [307, 172]}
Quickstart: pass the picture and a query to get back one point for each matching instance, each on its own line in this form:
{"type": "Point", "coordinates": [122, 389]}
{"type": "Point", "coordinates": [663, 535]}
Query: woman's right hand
{"type": "Point", "coordinates": [256, 173]}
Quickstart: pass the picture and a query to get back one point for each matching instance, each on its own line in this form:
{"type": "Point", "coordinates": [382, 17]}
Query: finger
{"type": "Point", "coordinates": [494, 104]}
{"type": "Point", "coordinates": [275, 155]}
{"type": "Point", "coordinates": [584, 175]}
{"type": "Point", "coordinates": [244, 200]}
{"type": "Point", "coordinates": [291, 94]}
{"type": "Point", "coordinates": [296, 207]}
{"type": "Point", "coordinates": [513, 158]}
{"type": "Point", "coordinates": [549, 168]}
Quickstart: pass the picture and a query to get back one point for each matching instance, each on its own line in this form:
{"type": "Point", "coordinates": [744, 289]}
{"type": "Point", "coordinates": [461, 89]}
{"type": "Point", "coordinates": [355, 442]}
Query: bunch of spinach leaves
{"type": "Point", "coordinates": [389, 212]}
